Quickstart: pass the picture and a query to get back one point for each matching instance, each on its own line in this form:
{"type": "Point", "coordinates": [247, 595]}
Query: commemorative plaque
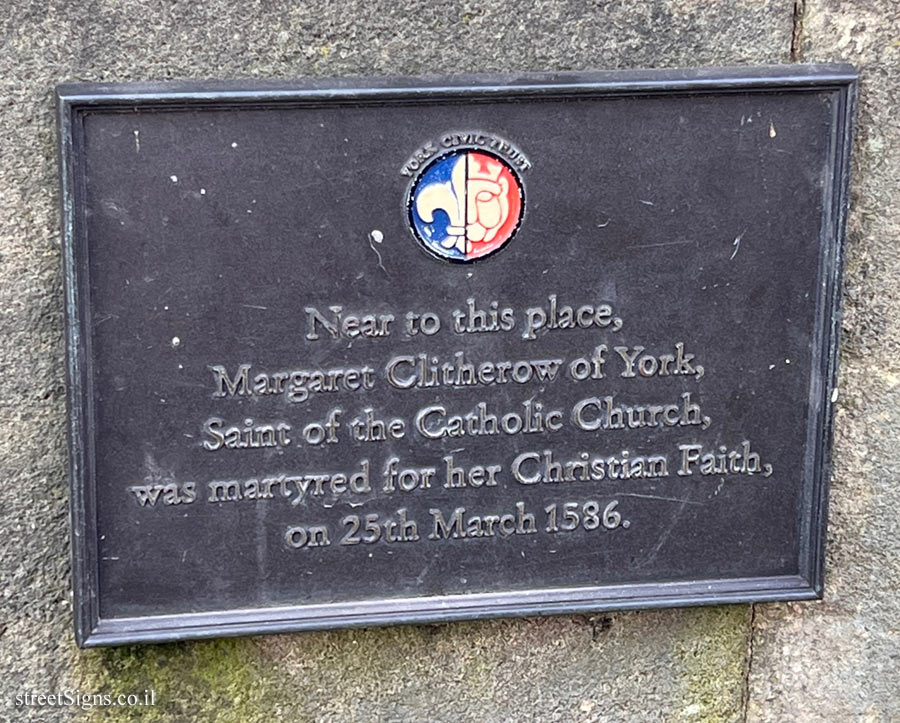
{"type": "Point", "coordinates": [381, 351]}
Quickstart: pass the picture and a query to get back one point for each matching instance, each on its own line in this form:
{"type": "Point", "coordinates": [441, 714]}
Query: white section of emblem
{"type": "Point", "coordinates": [450, 197]}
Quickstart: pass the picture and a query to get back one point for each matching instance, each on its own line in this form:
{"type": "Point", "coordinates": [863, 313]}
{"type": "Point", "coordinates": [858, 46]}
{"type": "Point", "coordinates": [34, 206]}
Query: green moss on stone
{"type": "Point", "coordinates": [712, 648]}
{"type": "Point", "coordinates": [346, 674]}
{"type": "Point", "coordinates": [335, 675]}
{"type": "Point", "coordinates": [220, 680]}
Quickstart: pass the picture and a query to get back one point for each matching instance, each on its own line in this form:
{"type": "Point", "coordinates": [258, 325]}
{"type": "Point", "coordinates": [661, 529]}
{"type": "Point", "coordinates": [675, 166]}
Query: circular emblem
{"type": "Point", "coordinates": [466, 205]}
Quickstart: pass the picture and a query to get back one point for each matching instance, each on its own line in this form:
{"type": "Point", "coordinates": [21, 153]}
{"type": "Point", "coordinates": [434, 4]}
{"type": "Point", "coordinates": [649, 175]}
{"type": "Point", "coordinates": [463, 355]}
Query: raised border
{"type": "Point", "coordinates": [73, 100]}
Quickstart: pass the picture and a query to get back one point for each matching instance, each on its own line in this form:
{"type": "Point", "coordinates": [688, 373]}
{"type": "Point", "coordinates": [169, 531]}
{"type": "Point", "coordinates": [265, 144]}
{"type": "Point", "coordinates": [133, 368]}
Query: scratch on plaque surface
{"type": "Point", "coordinates": [665, 534]}
{"type": "Point", "coordinates": [137, 141]}
{"type": "Point", "coordinates": [659, 497]}
{"type": "Point", "coordinates": [376, 237]}
{"type": "Point", "coordinates": [421, 576]}
{"type": "Point", "coordinates": [737, 243]}
{"type": "Point", "coordinates": [189, 385]}
{"type": "Point", "coordinates": [106, 317]}
{"type": "Point", "coordinates": [154, 474]}
{"type": "Point", "coordinates": [663, 243]}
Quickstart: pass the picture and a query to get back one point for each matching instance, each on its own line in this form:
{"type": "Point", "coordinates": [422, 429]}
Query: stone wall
{"type": "Point", "coordinates": [836, 660]}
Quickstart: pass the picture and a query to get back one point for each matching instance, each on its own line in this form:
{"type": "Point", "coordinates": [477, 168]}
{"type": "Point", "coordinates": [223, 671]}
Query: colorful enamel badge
{"type": "Point", "coordinates": [465, 205]}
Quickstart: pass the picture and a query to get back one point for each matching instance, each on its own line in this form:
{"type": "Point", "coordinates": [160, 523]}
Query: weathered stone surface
{"type": "Point", "coordinates": [808, 660]}
{"type": "Point", "coordinates": [840, 660]}
{"type": "Point", "coordinates": [657, 666]}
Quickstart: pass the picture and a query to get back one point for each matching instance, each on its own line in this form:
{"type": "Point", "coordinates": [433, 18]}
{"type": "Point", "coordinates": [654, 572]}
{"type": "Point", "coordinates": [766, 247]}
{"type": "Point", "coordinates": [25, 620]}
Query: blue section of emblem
{"type": "Point", "coordinates": [439, 224]}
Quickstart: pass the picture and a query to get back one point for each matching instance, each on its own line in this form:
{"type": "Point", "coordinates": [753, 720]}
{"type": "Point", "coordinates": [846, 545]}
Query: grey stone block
{"type": "Point", "coordinates": [840, 660]}
{"type": "Point", "coordinates": [837, 660]}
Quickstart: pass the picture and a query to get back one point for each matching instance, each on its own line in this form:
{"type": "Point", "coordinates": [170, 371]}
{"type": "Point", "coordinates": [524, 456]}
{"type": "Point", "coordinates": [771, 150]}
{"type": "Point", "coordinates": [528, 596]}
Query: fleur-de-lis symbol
{"type": "Point", "coordinates": [449, 197]}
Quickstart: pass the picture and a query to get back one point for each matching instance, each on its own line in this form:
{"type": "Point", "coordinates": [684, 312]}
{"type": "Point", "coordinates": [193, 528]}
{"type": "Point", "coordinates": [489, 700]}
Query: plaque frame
{"type": "Point", "coordinates": [73, 100]}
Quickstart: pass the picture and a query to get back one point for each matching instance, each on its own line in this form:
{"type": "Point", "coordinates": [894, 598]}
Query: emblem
{"type": "Point", "coordinates": [466, 204]}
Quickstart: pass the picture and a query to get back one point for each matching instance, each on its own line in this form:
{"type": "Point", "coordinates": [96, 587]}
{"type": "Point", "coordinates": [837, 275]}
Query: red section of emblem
{"type": "Point", "coordinates": [493, 204]}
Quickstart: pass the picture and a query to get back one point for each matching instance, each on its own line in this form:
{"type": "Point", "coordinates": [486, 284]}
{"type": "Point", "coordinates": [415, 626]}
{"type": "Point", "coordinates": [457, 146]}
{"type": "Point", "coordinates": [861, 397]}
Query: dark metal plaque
{"type": "Point", "coordinates": [370, 352]}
